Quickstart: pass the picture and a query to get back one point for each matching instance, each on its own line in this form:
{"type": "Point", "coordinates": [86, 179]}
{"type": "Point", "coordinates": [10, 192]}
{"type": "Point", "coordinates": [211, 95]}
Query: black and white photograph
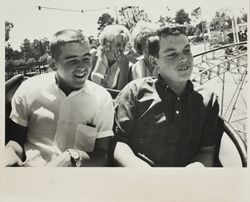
{"type": "Point", "coordinates": [124, 101]}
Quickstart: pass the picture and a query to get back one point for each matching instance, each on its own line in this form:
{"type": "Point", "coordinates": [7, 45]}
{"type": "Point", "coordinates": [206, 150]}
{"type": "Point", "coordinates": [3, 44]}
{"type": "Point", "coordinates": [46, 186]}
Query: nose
{"type": "Point", "coordinates": [182, 59]}
{"type": "Point", "coordinates": [82, 65]}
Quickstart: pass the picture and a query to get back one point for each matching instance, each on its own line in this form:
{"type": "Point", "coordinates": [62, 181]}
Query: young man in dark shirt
{"type": "Point", "coordinates": [166, 121]}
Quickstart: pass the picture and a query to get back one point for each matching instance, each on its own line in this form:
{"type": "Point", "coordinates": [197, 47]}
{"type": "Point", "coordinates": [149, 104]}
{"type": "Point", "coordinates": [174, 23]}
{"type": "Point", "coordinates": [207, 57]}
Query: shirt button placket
{"type": "Point", "coordinates": [177, 112]}
{"type": "Point", "coordinates": [140, 140]}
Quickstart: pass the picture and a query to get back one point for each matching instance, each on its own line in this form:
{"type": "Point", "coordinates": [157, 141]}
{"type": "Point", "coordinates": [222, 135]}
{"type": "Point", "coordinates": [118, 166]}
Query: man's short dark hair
{"type": "Point", "coordinates": [174, 30]}
{"type": "Point", "coordinates": [65, 36]}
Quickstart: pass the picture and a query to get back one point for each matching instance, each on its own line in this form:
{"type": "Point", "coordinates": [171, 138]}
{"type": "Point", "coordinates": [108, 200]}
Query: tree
{"type": "Point", "coordinates": [202, 27]}
{"type": "Point", "coordinates": [190, 30]}
{"type": "Point", "coordinates": [238, 20]}
{"type": "Point", "coordinates": [37, 49]}
{"type": "Point", "coordinates": [8, 51]}
{"type": "Point", "coordinates": [130, 15]}
{"type": "Point", "coordinates": [181, 17]}
{"type": "Point", "coordinates": [26, 49]}
{"type": "Point", "coordinates": [8, 48]}
{"type": "Point", "coordinates": [164, 21]}
{"type": "Point", "coordinates": [8, 26]}
{"type": "Point", "coordinates": [104, 20]}
{"type": "Point", "coordinates": [45, 44]}
{"type": "Point", "coordinates": [222, 20]}
{"type": "Point", "coordinates": [244, 17]}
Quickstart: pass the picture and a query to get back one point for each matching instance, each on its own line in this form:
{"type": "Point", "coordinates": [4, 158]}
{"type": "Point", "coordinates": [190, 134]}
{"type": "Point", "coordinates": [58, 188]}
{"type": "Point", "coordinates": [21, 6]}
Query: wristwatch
{"type": "Point", "coordinates": [74, 157]}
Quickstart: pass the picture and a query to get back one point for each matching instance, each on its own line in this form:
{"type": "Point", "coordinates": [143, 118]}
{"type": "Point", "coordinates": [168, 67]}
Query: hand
{"type": "Point", "coordinates": [11, 158]}
{"type": "Point", "coordinates": [122, 60]}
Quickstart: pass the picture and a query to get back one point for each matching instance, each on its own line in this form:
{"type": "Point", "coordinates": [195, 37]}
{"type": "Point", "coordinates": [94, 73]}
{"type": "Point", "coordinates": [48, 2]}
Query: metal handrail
{"type": "Point", "coordinates": [222, 47]}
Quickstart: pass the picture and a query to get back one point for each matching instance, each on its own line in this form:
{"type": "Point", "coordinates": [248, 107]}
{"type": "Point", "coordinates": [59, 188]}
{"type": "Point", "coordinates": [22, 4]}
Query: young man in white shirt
{"type": "Point", "coordinates": [63, 118]}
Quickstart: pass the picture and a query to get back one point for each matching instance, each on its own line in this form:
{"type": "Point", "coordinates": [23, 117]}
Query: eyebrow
{"type": "Point", "coordinates": [75, 56]}
{"type": "Point", "coordinates": [173, 49]}
{"type": "Point", "coordinates": [169, 50]}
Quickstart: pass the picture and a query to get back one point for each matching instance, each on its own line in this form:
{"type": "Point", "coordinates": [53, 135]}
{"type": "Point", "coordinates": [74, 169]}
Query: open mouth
{"type": "Point", "coordinates": [80, 75]}
{"type": "Point", "coordinates": [183, 68]}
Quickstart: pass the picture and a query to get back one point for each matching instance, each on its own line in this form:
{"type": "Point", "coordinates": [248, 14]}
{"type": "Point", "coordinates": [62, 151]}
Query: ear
{"type": "Point", "coordinates": [53, 64]}
{"type": "Point", "coordinates": [153, 60]}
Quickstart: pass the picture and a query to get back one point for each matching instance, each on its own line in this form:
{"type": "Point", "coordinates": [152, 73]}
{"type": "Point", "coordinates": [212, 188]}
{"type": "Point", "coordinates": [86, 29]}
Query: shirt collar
{"type": "Point", "coordinates": [85, 87]}
{"type": "Point", "coordinates": [164, 85]}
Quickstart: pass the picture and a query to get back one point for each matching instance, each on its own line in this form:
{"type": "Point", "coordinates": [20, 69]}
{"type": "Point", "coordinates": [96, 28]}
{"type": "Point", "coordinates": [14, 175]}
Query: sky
{"type": "Point", "coordinates": [31, 23]}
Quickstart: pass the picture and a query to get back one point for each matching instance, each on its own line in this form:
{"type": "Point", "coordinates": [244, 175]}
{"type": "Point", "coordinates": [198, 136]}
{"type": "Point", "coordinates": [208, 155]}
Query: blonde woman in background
{"type": "Point", "coordinates": [110, 67]}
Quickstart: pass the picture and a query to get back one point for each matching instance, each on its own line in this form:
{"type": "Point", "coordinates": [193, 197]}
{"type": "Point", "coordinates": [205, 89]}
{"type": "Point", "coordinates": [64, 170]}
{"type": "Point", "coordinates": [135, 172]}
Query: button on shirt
{"type": "Point", "coordinates": [166, 128]}
{"type": "Point", "coordinates": [57, 122]}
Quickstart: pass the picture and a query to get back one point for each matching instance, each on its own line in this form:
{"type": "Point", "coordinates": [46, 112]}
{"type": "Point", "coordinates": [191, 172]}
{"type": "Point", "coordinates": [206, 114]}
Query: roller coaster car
{"type": "Point", "coordinates": [231, 150]}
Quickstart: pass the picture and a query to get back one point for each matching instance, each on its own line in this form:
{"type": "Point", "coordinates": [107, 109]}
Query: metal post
{"type": "Point", "coordinates": [117, 18]}
{"type": "Point", "coordinates": [237, 97]}
{"type": "Point", "coordinates": [222, 93]}
{"type": "Point", "coordinates": [202, 27]}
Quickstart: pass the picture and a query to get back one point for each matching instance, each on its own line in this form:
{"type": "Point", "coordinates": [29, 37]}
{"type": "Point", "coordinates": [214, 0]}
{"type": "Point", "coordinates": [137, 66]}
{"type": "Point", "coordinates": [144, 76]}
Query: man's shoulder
{"type": "Point", "coordinates": [38, 82]}
{"type": "Point", "coordinates": [42, 79]}
{"type": "Point", "coordinates": [95, 89]}
{"type": "Point", "coordinates": [139, 86]}
{"type": "Point", "coordinates": [143, 82]}
{"type": "Point", "coordinates": [203, 91]}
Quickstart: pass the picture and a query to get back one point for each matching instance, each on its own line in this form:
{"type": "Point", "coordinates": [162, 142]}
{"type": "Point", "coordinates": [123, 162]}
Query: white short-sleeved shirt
{"type": "Point", "coordinates": [57, 122]}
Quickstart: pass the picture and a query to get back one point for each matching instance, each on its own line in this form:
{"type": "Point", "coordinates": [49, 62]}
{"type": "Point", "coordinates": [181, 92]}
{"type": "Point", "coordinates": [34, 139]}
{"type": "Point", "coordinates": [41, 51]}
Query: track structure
{"type": "Point", "coordinates": [224, 71]}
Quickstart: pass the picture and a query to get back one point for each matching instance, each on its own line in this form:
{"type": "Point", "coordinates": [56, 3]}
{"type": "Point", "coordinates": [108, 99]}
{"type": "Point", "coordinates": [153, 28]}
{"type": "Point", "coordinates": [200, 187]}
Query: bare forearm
{"type": "Point", "coordinates": [18, 149]}
{"type": "Point", "coordinates": [123, 79]}
{"type": "Point", "coordinates": [124, 156]}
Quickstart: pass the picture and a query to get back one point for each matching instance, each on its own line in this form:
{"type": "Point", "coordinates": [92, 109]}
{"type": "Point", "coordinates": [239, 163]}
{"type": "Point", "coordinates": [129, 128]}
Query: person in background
{"type": "Point", "coordinates": [166, 121]}
{"type": "Point", "coordinates": [110, 66]}
{"type": "Point", "coordinates": [143, 38]}
{"type": "Point", "coordinates": [61, 118]}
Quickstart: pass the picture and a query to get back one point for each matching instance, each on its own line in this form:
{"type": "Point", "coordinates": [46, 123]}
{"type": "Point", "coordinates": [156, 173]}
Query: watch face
{"type": "Point", "coordinates": [75, 158]}
{"type": "Point", "coordinates": [78, 163]}
{"type": "Point", "coordinates": [75, 155]}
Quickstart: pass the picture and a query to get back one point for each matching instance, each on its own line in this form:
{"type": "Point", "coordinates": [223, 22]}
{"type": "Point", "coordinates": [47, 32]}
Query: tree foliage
{"type": "Point", "coordinates": [221, 21]}
{"type": "Point", "coordinates": [191, 30]}
{"type": "Point", "coordinates": [8, 27]}
{"type": "Point", "coordinates": [31, 52]}
{"type": "Point", "coordinates": [244, 17]}
{"type": "Point", "coordinates": [104, 20]}
{"type": "Point", "coordinates": [164, 21]}
{"type": "Point", "coordinates": [202, 27]}
{"type": "Point", "coordinates": [181, 17]}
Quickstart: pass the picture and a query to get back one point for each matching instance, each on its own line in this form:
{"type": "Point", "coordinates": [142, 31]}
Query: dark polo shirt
{"type": "Point", "coordinates": [164, 128]}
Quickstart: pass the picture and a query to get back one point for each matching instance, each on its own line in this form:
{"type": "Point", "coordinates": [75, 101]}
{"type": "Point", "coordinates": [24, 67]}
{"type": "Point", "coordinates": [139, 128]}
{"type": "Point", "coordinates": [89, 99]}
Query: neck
{"type": "Point", "coordinates": [177, 87]}
{"type": "Point", "coordinates": [63, 85]}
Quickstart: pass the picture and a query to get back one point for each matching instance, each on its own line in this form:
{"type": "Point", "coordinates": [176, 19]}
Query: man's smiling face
{"type": "Point", "coordinates": [175, 58]}
{"type": "Point", "coordinates": [74, 63]}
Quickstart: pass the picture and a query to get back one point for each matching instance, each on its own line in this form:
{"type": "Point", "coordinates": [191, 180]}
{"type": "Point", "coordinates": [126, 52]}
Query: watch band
{"type": "Point", "coordinates": [75, 157]}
